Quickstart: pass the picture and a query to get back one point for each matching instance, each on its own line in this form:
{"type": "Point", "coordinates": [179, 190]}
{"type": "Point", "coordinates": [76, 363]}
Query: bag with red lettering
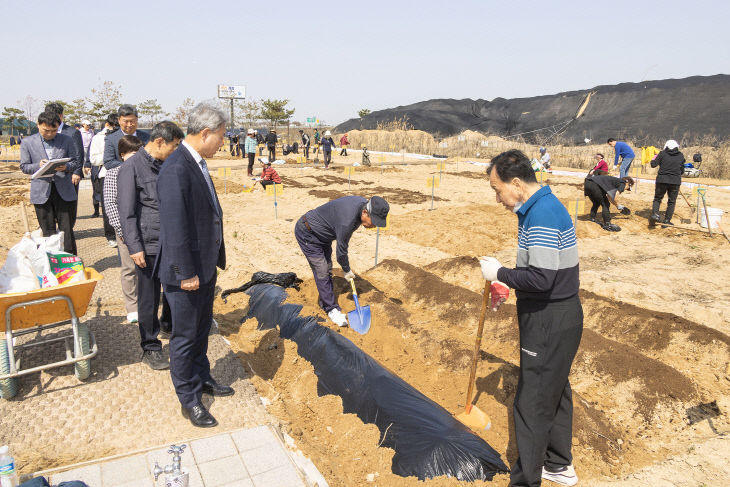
{"type": "Point", "coordinates": [67, 268]}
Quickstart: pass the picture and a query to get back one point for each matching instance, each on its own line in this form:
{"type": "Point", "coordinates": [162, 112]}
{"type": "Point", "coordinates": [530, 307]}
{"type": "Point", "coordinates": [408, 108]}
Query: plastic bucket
{"type": "Point", "coordinates": [714, 214]}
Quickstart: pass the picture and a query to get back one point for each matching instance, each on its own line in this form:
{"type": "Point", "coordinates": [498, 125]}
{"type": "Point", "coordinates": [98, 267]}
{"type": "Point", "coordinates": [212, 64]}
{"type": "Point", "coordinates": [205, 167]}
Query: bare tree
{"type": "Point", "coordinates": [250, 112]}
{"type": "Point", "coordinates": [30, 106]}
{"type": "Point", "coordinates": [183, 111]}
{"type": "Point", "coordinates": [104, 100]}
{"type": "Point", "coordinates": [151, 111]}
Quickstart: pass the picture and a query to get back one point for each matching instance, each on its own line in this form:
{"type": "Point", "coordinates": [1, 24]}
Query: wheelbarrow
{"type": "Point", "coordinates": [40, 310]}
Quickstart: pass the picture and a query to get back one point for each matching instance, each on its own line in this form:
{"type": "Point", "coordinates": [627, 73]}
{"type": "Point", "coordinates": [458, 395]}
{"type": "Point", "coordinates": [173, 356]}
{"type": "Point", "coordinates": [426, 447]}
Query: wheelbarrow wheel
{"type": "Point", "coordinates": [8, 387]}
{"type": "Point", "coordinates": [83, 369]}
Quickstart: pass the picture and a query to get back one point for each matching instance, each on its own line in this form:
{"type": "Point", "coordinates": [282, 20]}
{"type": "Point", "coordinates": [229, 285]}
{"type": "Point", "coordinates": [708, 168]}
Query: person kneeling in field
{"type": "Point", "coordinates": [603, 190]}
{"type": "Point", "coordinates": [549, 317]}
{"type": "Point", "coordinates": [269, 175]}
{"type": "Point", "coordinates": [336, 220]}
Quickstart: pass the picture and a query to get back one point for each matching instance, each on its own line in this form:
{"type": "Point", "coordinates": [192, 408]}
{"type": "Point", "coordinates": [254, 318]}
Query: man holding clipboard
{"type": "Point", "coordinates": [53, 195]}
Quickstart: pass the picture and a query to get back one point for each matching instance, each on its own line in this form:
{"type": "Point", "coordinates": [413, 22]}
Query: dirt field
{"type": "Point", "coordinates": [651, 369]}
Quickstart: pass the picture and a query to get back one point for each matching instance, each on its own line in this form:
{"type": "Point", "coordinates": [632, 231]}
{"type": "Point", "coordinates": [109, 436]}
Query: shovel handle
{"type": "Point", "coordinates": [25, 218]}
{"type": "Point", "coordinates": [477, 346]}
{"type": "Point", "coordinates": [352, 283]}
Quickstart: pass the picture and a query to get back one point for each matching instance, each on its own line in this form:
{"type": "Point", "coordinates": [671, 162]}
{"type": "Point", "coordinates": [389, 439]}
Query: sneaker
{"type": "Point", "coordinates": [112, 243]}
{"type": "Point", "coordinates": [155, 359]}
{"type": "Point", "coordinates": [337, 317]}
{"type": "Point", "coordinates": [654, 217]}
{"type": "Point", "coordinates": [563, 476]}
{"type": "Point", "coordinates": [132, 317]}
{"type": "Point", "coordinates": [625, 211]}
{"type": "Point", "coordinates": [667, 222]}
{"type": "Point", "coordinates": [593, 219]}
{"type": "Point", "coordinates": [611, 227]}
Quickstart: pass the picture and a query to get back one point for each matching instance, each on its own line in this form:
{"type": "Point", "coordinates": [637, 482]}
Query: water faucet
{"type": "Point", "coordinates": [173, 469]}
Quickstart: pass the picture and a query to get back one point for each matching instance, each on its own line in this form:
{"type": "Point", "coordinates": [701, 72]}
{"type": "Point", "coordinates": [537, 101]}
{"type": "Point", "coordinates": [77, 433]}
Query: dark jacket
{"type": "Point", "coordinates": [671, 165]}
{"type": "Point", "coordinates": [191, 223]}
{"type": "Point", "coordinates": [327, 144]}
{"type": "Point", "coordinates": [271, 138]}
{"type": "Point", "coordinates": [112, 158]}
{"type": "Point", "coordinates": [608, 184]}
{"type": "Point", "coordinates": [139, 208]}
{"type": "Point", "coordinates": [78, 141]}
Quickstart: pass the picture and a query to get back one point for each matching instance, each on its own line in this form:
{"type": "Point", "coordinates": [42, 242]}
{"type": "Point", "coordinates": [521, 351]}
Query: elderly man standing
{"type": "Point", "coordinates": [549, 316]}
{"type": "Point", "coordinates": [127, 119]}
{"type": "Point", "coordinates": [54, 197]}
{"type": "Point", "coordinates": [139, 216]}
{"type": "Point", "coordinates": [191, 247]}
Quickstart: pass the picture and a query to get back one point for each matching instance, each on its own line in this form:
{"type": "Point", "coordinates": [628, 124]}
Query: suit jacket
{"type": "Point", "coordinates": [191, 226]}
{"type": "Point", "coordinates": [31, 153]}
{"type": "Point", "coordinates": [111, 147]}
{"type": "Point", "coordinates": [78, 141]}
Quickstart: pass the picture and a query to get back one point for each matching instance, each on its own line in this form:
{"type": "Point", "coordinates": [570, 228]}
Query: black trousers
{"type": "Point", "coordinates": [672, 191]}
{"type": "Point", "coordinates": [550, 333]}
{"type": "Point", "coordinates": [306, 152]}
{"type": "Point", "coordinates": [242, 151]}
{"type": "Point", "coordinates": [57, 212]}
{"type": "Point", "coordinates": [327, 158]}
{"type": "Point", "coordinates": [192, 315]}
{"type": "Point", "coordinates": [109, 232]}
{"type": "Point", "coordinates": [598, 198]}
{"type": "Point", "coordinates": [272, 152]}
{"type": "Point", "coordinates": [148, 304]}
{"type": "Point", "coordinates": [343, 152]}
{"type": "Point", "coordinates": [251, 160]}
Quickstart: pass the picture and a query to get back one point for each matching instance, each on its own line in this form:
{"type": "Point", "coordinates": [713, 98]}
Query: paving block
{"type": "Point", "coordinates": [134, 483]}
{"type": "Point", "coordinates": [213, 448]}
{"type": "Point", "coordinates": [251, 438]}
{"type": "Point", "coordinates": [241, 483]}
{"type": "Point", "coordinates": [163, 458]}
{"type": "Point", "coordinates": [194, 478]}
{"type": "Point", "coordinates": [90, 474]}
{"type": "Point", "coordinates": [280, 477]}
{"type": "Point", "coordinates": [223, 471]}
{"type": "Point", "coordinates": [265, 458]}
{"type": "Point", "coordinates": [125, 470]}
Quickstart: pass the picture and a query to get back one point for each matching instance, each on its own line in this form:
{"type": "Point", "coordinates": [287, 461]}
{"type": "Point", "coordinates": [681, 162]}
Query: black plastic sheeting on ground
{"type": "Point", "coordinates": [283, 279]}
{"type": "Point", "coordinates": [427, 440]}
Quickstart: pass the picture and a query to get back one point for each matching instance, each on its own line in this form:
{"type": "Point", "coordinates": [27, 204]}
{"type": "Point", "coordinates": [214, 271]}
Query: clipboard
{"type": "Point", "coordinates": [49, 169]}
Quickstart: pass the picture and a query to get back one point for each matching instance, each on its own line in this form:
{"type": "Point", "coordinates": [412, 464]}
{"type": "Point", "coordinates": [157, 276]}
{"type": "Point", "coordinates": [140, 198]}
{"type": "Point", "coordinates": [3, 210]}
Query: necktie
{"type": "Point", "coordinates": [211, 188]}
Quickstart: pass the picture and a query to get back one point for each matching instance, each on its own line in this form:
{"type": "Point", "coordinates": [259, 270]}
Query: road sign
{"type": "Point", "coordinates": [235, 92]}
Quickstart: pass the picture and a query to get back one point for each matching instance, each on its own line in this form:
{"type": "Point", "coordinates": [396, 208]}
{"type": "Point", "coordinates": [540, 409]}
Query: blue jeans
{"type": "Point", "coordinates": [625, 166]}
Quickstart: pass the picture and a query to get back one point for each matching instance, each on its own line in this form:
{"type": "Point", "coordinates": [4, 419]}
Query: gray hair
{"type": "Point", "coordinates": [126, 110]}
{"type": "Point", "coordinates": [167, 131]}
{"type": "Point", "coordinates": [206, 116]}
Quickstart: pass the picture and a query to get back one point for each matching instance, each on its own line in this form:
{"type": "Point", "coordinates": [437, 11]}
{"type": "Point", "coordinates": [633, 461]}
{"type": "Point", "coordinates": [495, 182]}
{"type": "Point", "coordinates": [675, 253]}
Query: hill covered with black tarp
{"type": "Point", "coordinates": [650, 111]}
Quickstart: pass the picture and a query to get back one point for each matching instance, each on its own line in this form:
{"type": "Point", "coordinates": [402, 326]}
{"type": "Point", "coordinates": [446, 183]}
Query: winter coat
{"type": "Point", "coordinates": [671, 165]}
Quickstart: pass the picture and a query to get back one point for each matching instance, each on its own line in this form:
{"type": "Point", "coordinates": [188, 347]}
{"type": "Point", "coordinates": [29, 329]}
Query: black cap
{"type": "Point", "coordinates": [378, 210]}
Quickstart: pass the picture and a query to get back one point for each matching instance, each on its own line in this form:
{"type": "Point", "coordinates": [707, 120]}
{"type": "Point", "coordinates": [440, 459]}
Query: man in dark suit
{"type": "Point", "coordinates": [128, 119]}
{"type": "Point", "coordinates": [54, 197]}
{"type": "Point", "coordinates": [71, 131]}
{"type": "Point", "coordinates": [190, 248]}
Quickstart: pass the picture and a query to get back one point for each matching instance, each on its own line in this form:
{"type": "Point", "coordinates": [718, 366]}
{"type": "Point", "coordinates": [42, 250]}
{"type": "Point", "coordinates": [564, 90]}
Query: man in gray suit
{"type": "Point", "coordinates": [128, 119]}
{"type": "Point", "coordinates": [78, 141]}
{"type": "Point", "coordinates": [54, 197]}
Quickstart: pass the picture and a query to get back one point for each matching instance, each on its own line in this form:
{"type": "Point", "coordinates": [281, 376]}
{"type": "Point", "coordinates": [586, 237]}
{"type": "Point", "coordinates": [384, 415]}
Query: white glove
{"type": "Point", "coordinates": [350, 275]}
{"type": "Point", "coordinates": [490, 266]}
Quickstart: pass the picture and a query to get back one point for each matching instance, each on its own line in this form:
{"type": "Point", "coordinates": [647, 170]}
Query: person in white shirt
{"type": "Point", "coordinates": [545, 158]}
{"type": "Point", "coordinates": [98, 172]}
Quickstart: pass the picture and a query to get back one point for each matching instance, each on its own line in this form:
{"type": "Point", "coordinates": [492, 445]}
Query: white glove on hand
{"type": "Point", "coordinates": [490, 266]}
{"type": "Point", "coordinates": [350, 275]}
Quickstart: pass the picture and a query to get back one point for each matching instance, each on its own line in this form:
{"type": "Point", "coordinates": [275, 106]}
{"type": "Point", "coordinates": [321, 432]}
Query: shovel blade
{"type": "Point", "coordinates": [475, 419]}
{"type": "Point", "coordinates": [359, 319]}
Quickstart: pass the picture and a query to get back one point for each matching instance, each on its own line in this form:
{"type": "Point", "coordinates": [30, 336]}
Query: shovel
{"type": "Point", "coordinates": [359, 318]}
{"type": "Point", "coordinates": [473, 417]}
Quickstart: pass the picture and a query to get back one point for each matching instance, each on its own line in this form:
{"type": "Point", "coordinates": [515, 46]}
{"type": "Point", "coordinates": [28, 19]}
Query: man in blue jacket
{"type": "Point", "coordinates": [336, 220]}
{"type": "Point", "coordinates": [191, 247]}
{"type": "Point", "coordinates": [550, 320]}
{"type": "Point", "coordinates": [139, 216]}
{"type": "Point", "coordinates": [626, 154]}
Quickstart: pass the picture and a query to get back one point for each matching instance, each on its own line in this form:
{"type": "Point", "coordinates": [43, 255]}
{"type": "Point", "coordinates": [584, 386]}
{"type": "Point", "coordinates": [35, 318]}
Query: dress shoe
{"type": "Point", "coordinates": [213, 388]}
{"type": "Point", "coordinates": [155, 359]}
{"type": "Point", "coordinates": [199, 416]}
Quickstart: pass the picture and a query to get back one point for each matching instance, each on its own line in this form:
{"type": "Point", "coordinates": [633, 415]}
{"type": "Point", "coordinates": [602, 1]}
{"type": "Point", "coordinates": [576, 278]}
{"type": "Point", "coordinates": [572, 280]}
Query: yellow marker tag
{"type": "Point", "coordinates": [270, 189]}
{"type": "Point", "coordinates": [221, 172]}
{"type": "Point", "coordinates": [362, 146]}
{"type": "Point", "coordinates": [432, 181]}
{"type": "Point", "coordinates": [392, 147]}
{"type": "Point", "coordinates": [697, 191]}
{"type": "Point", "coordinates": [440, 166]}
{"type": "Point", "coordinates": [348, 171]}
{"type": "Point", "coordinates": [576, 205]}
{"type": "Point", "coordinates": [381, 158]}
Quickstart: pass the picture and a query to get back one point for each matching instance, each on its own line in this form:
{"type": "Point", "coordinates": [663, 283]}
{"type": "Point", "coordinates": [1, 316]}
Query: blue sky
{"type": "Point", "coordinates": [331, 59]}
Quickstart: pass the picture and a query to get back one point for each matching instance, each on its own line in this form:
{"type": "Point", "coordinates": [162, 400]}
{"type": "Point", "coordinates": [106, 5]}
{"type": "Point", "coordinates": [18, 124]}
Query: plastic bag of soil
{"type": "Point", "coordinates": [428, 441]}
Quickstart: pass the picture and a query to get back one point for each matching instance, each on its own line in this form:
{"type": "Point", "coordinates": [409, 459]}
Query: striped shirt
{"type": "Point", "coordinates": [269, 174]}
{"type": "Point", "coordinates": [110, 200]}
{"type": "Point", "coordinates": [547, 251]}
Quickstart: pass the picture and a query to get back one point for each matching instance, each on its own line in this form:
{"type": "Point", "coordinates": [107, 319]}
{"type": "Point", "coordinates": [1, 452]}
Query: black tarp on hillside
{"type": "Point", "coordinates": [649, 112]}
{"type": "Point", "coordinates": [427, 440]}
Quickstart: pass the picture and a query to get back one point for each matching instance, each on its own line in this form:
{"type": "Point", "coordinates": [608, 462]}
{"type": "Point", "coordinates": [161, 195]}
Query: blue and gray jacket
{"type": "Point", "coordinates": [547, 253]}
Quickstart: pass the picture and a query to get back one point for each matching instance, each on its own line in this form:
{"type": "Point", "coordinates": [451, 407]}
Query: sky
{"type": "Point", "coordinates": [332, 59]}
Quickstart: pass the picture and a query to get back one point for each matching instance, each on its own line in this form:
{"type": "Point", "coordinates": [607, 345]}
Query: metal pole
{"type": "Point", "coordinates": [698, 204]}
{"type": "Point", "coordinates": [377, 238]}
{"type": "Point", "coordinates": [433, 185]}
{"type": "Point", "coordinates": [349, 175]}
{"type": "Point", "coordinates": [232, 123]}
{"type": "Point", "coordinates": [276, 211]}
{"type": "Point", "coordinates": [575, 221]}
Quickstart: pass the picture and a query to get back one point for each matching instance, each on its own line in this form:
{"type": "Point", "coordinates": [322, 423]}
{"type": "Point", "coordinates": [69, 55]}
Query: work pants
{"type": "Point", "coordinates": [319, 256]}
{"type": "Point", "coordinates": [97, 186]}
{"type": "Point", "coordinates": [598, 198]}
{"type": "Point", "coordinates": [327, 158]}
{"type": "Point", "coordinates": [192, 315]}
{"type": "Point", "coordinates": [550, 333]}
{"type": "Point", "coordinates": [343, 152]}
{"type": "Point", "coordinates": [672, 191]}
{"type": "Point", "coordinates": [148, 304]}
{"type": "Point", "coordinates": [625, 166]}
{"type": "Point", "coordinates": [57, 212]}
{"type": "Point", "coordinates": [272, 153]}
{"type": "Point", "coordinates": [306, 152]}
{"type": "Point", "coordinates": [251, 160]}
{"type": "Point", "coordinates": [128, 277]}
{"type": "Point", "coordinates": [242, 151]}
